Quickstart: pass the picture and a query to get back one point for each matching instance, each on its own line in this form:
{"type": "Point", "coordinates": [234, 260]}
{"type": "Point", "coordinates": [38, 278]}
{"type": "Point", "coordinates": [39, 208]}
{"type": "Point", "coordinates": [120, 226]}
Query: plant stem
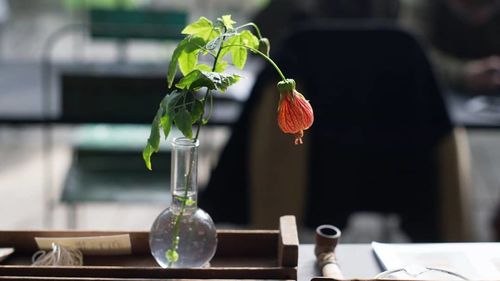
{"type": "Point", "coordinates": [262, 55]}
{"type": "Point", "coordinates": [175, 237]}
{"type": "Point", "coordinates": [252, 25]}
{"type": "Point", "coordinates": [208, 90]}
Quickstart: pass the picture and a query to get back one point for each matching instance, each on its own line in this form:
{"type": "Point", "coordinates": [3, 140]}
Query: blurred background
{"type": "Point", "coordinates": [80, 81]}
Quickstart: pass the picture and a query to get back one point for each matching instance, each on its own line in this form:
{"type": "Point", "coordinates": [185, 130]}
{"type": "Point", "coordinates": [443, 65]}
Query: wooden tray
{"type": "Point", "coordinates": [241, 254]}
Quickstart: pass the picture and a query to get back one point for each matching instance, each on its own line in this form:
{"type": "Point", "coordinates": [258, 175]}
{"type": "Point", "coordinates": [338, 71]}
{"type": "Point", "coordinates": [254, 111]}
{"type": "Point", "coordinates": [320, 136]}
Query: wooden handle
{"type": "Point", "coordinates": [329, 266]}
{"type": "Point", "coordinates": [332, 270]}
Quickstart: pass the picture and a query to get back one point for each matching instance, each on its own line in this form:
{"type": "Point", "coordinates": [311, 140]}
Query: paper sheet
{"type": "Point", "coordinates": [477, 261]}
{"type": "Point", "coordinates": [5, 252]}
{"type": "Point", "coordinates": [103, 245]}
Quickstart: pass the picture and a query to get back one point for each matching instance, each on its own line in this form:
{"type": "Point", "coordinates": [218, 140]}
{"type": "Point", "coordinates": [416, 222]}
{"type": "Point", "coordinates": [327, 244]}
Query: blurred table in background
{"type": "Point", "coordinates": [23, 99]}
{"type": "Point", "coordinates": [474, 112]}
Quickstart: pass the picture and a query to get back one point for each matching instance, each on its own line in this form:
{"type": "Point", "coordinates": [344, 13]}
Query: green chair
{"type": "Point", "coordinates": [107, 165]}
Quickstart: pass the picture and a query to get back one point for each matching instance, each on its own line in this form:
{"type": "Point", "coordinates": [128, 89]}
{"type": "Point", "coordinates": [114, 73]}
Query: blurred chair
{"type": "Point", "coordinates": [107, 165]}
{"type": "Point", "coordinates": [123, 25]}
{"type": "Point", "coordinates": [382, 140]}
{"type": "Point", "coordinates": [114, 113]}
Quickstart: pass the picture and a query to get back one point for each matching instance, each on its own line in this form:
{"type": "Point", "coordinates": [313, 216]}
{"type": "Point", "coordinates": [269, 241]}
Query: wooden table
{"type": "Point", "coordinates": [355, 260]}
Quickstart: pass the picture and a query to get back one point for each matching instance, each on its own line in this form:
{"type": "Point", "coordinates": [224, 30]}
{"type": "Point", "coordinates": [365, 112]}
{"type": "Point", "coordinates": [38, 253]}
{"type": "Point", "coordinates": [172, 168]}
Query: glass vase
{"type": "Point", "coordinates": [183, 235]}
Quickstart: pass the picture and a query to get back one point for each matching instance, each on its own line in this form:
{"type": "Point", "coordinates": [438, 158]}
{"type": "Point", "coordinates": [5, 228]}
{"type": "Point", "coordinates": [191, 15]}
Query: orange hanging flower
{"type": "Point", "coordinates": [295, 113]}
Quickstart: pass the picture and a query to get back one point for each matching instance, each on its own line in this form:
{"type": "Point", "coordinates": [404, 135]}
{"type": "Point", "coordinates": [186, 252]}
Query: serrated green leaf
{"type": "Point", "coordinates": [221, 80]}
{"type": "Point", "coordinates": [249, 40]}
{"type": "Point", "coordinates": [188, 57]}
{"type": "Point", "coordinates": [153, 143]}
{"type": "Point", "coordinates": [203, 28]}
{"type": "Point", "coordinates": [212, 80]}
{"type": "Point", "coordinates": [220, 66]}
{"type": "Point", "coordinates": [238, 51]}
{"type": "Point", "coordinates": [196, 110]}
{"type": "Point", "coordinates": [146, 155]}
{"type": "Point", "coordinates": [237, 46]}
{"type": "Point", "coordinates": [228, 22]}
{"type": "Point", "coordinates": [187, 62]}
{"type": "Point", "coordinates": [154, 136]}
{"type": "Point", "coordinates": [169, 103]}
{"type": "Point", "coordinates": [194, 80]}
{"type": "Point", "coordinates": [166, 124]}
{"type": "Point", "coordinates": [188, 46]}
{"type": "Point", "coordinates": [203, 67]}
{"type": "Point", "coordinates": [183, 122]}
{"type": "Point", "coordinates": [172, 66]}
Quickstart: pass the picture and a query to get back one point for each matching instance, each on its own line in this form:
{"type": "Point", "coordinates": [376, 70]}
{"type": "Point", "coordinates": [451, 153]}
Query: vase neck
{"type": "Point", "coordinates": [184, 173]}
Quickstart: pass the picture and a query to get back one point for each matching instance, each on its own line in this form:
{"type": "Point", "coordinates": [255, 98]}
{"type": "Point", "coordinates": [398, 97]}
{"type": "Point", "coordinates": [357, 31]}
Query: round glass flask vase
{"type": "Point", "coordinates": [183, 235]}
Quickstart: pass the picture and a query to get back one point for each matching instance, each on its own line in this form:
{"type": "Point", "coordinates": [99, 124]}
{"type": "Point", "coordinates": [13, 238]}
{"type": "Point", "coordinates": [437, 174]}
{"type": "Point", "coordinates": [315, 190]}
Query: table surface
{"type": "Point", "coordinates": [355, 260]}
{"type": "Point", "coordinates": [478, 111]}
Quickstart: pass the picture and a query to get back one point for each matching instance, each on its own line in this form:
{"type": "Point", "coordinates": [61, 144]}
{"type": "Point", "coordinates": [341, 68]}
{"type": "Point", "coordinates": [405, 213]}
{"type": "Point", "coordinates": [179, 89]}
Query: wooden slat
{"type": "Point", "coordinates": [141, 272]}
{"type": "Point", "coordinates": [241, 254]}
{"type": "Point", "coordinates": [288, 246]}
{"type": "Point", "coordinates": [251, 242]}
{"type": "Point", "coordinates": [35, 278]}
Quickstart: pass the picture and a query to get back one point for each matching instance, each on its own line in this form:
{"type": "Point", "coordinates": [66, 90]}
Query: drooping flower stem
{"type": "Point", "coordinates": [172, 254]}
{"type": "Point", "coordinates": [270, 61]}
{"type": "Point", "coordinates": [257, 30]}
{"type": "Point", "coordinates": [266, 57]}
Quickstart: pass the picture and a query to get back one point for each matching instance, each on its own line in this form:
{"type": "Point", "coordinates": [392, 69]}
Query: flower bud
{"type": "Point", "coordinates": [295, 113]}
{"type": "Point", "coordinates": [264, 46]}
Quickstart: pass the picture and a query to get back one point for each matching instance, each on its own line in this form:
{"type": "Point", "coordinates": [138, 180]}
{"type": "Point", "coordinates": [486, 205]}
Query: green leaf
{"type": "Point", "coordinates": [166, 124]}
{"type": "Point", "coordinates": [188, 57]}
{"type": "Point", "coordinates": [203, 67]}
{"type": "Point", "coordinates": [153, 143]}
{"type": "Point", "coordinates": [203, 28]}
{"type": "Point", "coordinates": [212, 80]}
{"type": "Point", "coordinates": [249, 40]}
{"type": "Point", "coordinates": [197, 110]}
{"type": "Point", "coordinates": [188, 61]}
{"type": "Point", "coordinates": [195, 76]}
{"type": "Point", "coordinates": [154, 136]}
{"type": "Point", "coordinates": [146, 155]}
{"type": "Point", "coordinates": [172, 66]}
{"type": "Point", "coordinates": [238, 52]}
{"type": "Point", "coordinates": [168, 105]}
{"type": "Point", "coordinates": [237, 46]}
{"type": "Point", "coordinates": [183, 122]}
{"type": "Point", "coordinates": [228, 22]}
{"type": "Point", "coordinates": [220, 66]}
{"type": "Point", "coordinates": [221, 80]}
{"type": "Point", "coordinates": [170, 101]}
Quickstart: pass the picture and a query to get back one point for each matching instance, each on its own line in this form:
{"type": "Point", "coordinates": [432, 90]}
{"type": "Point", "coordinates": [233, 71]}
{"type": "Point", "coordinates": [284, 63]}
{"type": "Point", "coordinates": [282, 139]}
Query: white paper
{"type": "Point", "coordinates": [5, 252]}
{"type": "Point", "coordinates": [476, 261]}
{"type": "Point", "coordinates": [100, 245]}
